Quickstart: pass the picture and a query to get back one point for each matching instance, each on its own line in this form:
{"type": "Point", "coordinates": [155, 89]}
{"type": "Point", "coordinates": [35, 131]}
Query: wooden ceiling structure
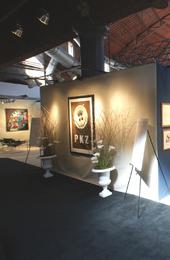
{"type": "Point", "coordinates": [141, 38]}
{"type": "Point", "coordinates": [65, 16]}
{"type": "Point", "coordinates": [138, 33]}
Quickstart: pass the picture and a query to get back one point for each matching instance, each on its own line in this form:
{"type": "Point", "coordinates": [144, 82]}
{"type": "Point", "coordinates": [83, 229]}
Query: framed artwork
{"type": "Point", "coordinates": [166, 139]}
{"type": "Point", "coordinates": [16, 119]}
{"type": "Point", "coordinates": [165, 114]}
{"type": "Point", "coordinates": [81, 122]}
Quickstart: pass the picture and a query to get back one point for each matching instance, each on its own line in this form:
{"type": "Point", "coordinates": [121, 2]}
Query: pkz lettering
{"type": "Point", "coordinates": [82, 139]}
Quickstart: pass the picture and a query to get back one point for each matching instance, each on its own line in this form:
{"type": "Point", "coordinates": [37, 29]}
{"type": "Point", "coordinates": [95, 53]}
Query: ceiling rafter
{"type": "Point", "coordinates": [162, 49]}
{"type": "Point", "coordinates": [147, 54]}
{"type": "Point", "coordinates": [116, 36]}
{"type": "Point", "coordinates": [139, 17]}
{"type": "Point", "coordinates": [162, 22]}
{"type": "Point", "coordinates": [140, 36]}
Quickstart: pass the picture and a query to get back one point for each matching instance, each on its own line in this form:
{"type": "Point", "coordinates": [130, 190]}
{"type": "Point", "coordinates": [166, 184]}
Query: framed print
{"type": "Point", "coordinates": [166, 139]}
{"type": "Point", "coordinates": [16, 119]}
{"type": "Point", "coordinates": [81, 121]}
{"type": "Point", "coordinates": [165, 114]}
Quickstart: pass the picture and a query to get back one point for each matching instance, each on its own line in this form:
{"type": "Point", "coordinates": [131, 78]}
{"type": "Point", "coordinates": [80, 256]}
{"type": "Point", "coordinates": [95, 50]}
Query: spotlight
{"type": "Point", "coordinates": [18, 31]}
{"type": "Point", "coordinates": [74, 77]}
{"type": "Point", "coordinates": [44, 18]}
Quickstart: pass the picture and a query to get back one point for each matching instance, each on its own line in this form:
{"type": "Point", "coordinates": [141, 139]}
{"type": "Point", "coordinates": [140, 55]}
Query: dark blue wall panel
{"type": "Point", "coordinates": [163, 95]}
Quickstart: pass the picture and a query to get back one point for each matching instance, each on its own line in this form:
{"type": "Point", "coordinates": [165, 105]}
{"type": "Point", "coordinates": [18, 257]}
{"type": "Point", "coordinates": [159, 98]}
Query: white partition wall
{"type": "Point", "coordinates": [130, 95]}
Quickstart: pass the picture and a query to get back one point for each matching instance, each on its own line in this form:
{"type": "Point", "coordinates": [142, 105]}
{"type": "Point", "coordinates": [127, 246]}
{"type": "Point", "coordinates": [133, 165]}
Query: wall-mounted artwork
{"type": "Point", "coordinates": [165, 114]}
{"type": "Point", "coordinates": [81, 119]}
{"type": "Point", "coordinates": [16, 119]}
{"type": "Point", "coordinates": [166, 139]}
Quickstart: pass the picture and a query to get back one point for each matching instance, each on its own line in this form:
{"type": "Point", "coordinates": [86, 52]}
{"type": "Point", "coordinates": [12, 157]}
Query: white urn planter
{"type": "Point", "coordinates": [47, 165]}
{"type": "Point", "coordinates": [104, 180]}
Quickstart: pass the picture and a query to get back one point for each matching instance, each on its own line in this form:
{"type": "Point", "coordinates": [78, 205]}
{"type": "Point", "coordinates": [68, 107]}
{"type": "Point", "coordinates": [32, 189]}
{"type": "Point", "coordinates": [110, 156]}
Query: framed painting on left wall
{"type": "Point", "coordinates": [16, 119]}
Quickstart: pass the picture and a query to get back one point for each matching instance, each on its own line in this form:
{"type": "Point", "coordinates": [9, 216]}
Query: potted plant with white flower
{"type": "Point", "coordinates": [103, 160]}
{"type": "Point", "coordinates": [112, 129]}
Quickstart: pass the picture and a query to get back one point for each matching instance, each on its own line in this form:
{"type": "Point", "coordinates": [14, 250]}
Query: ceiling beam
{"type": "Point", "coordinates": [63, 19]}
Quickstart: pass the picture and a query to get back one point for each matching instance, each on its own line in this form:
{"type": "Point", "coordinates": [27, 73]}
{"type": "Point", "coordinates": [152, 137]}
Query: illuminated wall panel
{"type": "Point", "coordinates": [129, 94]}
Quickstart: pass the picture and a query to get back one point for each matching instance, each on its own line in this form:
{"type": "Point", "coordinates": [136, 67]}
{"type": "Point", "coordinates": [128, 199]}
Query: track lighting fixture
{"type": "Point", "coordinates": [6, 100]}
{"type": "Point", "coordinates": [44, 18]}
{"type": "Point", "coordinates": [18, 31]}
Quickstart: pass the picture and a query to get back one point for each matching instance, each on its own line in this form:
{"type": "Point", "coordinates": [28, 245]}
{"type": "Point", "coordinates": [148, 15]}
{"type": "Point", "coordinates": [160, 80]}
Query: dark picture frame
{"type": "Point", "coordinates": [165, 114]}
{"type": "Point", "coordinates": [81, 124]}
{"type": "Point", "coordinates": [16, 119]}
{"type": "Point", "coordinates": [166, 139]}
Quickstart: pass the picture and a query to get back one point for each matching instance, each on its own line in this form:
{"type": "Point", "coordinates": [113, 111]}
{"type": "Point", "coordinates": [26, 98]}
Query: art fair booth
{"type": "Point", "coordinates": [16, 119]}
{"type": "Point", "coordinates": [18, 105]}
{"type": "Point", "coordinates": [132, 109]}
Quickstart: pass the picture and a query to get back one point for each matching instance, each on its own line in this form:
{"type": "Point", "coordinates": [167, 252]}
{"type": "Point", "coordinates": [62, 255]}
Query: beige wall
{"type": "Point", "coordinates": [132, 90]}
{"type": "Point", "coordinates": [33, 111]}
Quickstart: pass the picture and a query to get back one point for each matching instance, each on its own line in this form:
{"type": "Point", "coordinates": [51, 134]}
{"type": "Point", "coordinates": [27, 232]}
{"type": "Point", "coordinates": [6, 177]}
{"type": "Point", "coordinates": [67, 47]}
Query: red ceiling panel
{"type": "Point", "coordinates": [141, 38]}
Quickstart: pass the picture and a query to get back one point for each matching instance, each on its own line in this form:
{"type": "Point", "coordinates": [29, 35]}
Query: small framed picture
{"type": "Point", "coordinates": [81, 120]}
{"type": "Point", "coordinates": [166, 139]}
{"type": "Point", "coordinates": [165, 114]}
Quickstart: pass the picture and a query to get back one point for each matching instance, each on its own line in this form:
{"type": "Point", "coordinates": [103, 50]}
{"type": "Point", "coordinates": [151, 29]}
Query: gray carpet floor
{"type": "Point", "coordinates": [64, 219]}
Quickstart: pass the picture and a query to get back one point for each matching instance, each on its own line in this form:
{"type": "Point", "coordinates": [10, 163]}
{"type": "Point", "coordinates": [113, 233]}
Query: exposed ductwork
{"type": "Point", "coordinates": [114, 64]}
{"type": "Point", "coordinates": [31, 71]}
{"type": "Point", "coordinates": [50, 70]}
{"type": "Point", "coordinates": [61, 56]}
{"type": "Point", "coordinates": [58, 55]}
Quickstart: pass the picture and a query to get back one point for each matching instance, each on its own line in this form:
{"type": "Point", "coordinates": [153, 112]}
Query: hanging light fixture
{"type": "Point", "coordinates": [44, 17]}
{"type": "Point", "coordinates": [18, 31]}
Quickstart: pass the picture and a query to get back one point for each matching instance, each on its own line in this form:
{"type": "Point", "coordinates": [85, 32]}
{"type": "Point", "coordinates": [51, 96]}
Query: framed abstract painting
{"type": "Point", "coordinates": [16, 119]}
{"type": "Point", "coordinates": [81, 122]}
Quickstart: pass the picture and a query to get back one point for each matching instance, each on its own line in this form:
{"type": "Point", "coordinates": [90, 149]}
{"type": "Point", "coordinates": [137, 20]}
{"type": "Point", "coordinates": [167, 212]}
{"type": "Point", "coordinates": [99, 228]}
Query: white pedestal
{"type": "Point", "coordinates": [104, 180]}
{"type": "Point", "coordinates": [47, 165]}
